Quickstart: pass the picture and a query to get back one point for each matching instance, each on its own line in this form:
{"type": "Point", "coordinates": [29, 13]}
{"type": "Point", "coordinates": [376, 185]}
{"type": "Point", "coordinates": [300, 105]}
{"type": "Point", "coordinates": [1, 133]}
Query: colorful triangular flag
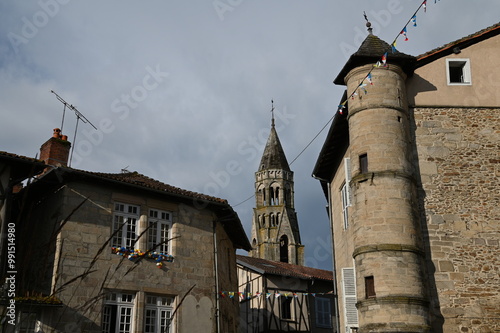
{"type": "Point", "coordinates": [369, 79]}
{"type": "Point", "coordinates": [384, 59]}
{"type": "Point", "coordinates": [394, 50]}
{"type": "Point", "coordinates": [341, 107]}
{"type": "Point", "coordinates": [414, 20]}
{"type": "Point", "coordinates": [424, 4]}
{"type": "Point", "coordinates": [403, 32]}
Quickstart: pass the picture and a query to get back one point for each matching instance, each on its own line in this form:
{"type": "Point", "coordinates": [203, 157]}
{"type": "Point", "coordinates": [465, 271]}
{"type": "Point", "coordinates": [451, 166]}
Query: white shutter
{"type": "Point", "coordinates": [347, 170]}
{"type": "Point", "coordinates": [349, 288]}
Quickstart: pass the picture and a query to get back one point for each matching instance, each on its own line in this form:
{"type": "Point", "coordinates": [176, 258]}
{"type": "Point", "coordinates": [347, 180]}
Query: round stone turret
{"type": "Point", "coordinates": [388, 251]}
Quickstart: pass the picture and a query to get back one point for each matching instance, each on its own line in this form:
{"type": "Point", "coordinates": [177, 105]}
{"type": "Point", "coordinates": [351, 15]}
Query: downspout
{"type": "Point", "coordinates": [216, 271]}
{"type": "Point", "coordinates": [336, 295]}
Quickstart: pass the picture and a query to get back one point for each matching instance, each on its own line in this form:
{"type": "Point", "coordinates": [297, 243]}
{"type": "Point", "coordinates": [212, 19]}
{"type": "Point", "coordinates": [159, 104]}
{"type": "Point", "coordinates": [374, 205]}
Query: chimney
{"type": "Point", "coordinates": [55, 151]}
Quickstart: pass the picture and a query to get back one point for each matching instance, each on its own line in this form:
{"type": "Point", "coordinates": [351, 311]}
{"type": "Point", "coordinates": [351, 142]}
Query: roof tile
{"type": "Point", "coordinates": [286, 269]}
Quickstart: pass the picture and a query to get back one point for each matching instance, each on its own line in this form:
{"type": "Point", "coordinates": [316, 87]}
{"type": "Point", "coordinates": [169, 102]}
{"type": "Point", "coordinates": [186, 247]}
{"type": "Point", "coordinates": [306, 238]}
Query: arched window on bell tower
{"type": "Point", "coordinates": [274, 194]}
{"type": "Point", "coordinates": [261, 196]}
{"type": "Point", "coordinates": [284, 248]}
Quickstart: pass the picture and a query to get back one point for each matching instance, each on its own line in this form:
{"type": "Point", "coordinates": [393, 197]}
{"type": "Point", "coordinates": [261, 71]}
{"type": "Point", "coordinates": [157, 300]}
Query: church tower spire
{"type": "Point", "coordinates": [275, 229]}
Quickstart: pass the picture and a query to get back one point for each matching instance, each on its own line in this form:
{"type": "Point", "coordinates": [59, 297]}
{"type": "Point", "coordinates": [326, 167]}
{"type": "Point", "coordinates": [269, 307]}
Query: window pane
{"type": "Point", "coordinates": [152, 235]}
{"type": "Point", "coordinates": [106, 319]}
{"type": "Point", "coordinates": [157, 314]}
{"type": "Point", "coordinates": [150, 321]}
{"type": "Point", "coordinates": [164, 321]}
{"type": "Point", "coordinates": [130, 232]}
{"type": "Point", "coordinates": [164, 237]}
{"type": "Point", "coordinates": [125, 320]}
{"type": "Point", "coordinates": [323, 316]}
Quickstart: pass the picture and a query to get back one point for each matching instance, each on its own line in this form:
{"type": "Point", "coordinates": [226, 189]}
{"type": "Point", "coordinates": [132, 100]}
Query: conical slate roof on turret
{"type": "Point", "coordinates": [274, 156]}
{"type": "Point", "coordinates": [371, 50]}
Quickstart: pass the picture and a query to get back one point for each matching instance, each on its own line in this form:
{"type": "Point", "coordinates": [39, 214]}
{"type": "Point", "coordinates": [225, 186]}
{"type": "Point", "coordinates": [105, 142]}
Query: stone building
{"type": "Point", "coordinates": [275, 228]}
{"type": "Point", "coordinates": [101, 252]}
{"type": "Point", "coordinates": [410, 170]}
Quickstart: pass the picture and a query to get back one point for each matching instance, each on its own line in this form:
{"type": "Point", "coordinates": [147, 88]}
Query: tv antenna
{"type": "Point", "coordinates": [79, 116]}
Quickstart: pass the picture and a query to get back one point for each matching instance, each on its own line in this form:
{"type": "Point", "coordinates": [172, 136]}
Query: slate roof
{"type": "Point", "coordinates": [371, 50]}
{"type": "Point", "coordinates": [284, 269]}
{"type": "Point", "coordinates": [137, 179]}
{"type": "Point", "coordinates": [273, 156]}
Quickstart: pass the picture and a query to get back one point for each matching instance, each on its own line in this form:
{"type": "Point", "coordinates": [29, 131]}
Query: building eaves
{"type": "Point", "coordinates": [461, 43]}
{"type": "Point", "coordinates": [223, 211]}
{"type": "Point", "coordinates": [139, 180]}
{"type": "Point", "coordinates": [334, 148]}
{"type": "Point", "coordinates": [24, 166]}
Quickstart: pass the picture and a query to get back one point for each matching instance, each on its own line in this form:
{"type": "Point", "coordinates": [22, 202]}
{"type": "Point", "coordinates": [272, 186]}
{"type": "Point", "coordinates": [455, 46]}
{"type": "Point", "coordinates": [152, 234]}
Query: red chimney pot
{"type": "Point", "coordinates": [55, 151]}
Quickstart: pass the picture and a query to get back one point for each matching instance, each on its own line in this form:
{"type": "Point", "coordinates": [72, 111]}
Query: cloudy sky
{"type": "Point", "coordinates": [181, 90]}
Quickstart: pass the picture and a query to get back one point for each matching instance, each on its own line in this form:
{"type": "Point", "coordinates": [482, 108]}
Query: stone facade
{"type": "Point", "coordinates": [411, 173]}
{"type": "Point", "coordinates": [275, 227]}
{"type": "Point", "coordinates": [68, 230]}
{"type": "Point", "coordinates": [459, 162]}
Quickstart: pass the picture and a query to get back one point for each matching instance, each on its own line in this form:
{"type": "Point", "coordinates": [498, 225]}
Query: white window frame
{"type": "Point", "coordinates": [154, 305]}
{"type": "Point", "coordinates": [345, 192]}
{"type": "Point", "coordinates": [323, 307]}
{"type": "Point", "coordinates": [123, 303]}
{"type": "Point", "coordinates": [345, 204]}
{"type": "Point", "coordinates": [464, 63]}
{"type": "Point", "coordinates": [127, 234]}
{"type": "Point", "coordinates": [160, 231]}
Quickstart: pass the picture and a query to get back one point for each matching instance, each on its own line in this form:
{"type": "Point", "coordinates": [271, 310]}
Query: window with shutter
{"type": "Point", "coordinates": [346, 192]}
{"type": "Point", "coordinates": [349, 291]}
{"type": "Point", "coordinates": [347, 169]}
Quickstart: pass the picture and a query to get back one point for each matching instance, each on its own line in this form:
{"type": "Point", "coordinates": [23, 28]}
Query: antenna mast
{"type": "Point", "coordinates": [79, 116]}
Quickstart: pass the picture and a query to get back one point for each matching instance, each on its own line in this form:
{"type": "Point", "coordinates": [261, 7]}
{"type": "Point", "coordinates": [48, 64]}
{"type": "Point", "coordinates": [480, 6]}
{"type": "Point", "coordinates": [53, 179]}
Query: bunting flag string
{"type": "Point", "coordinates": [383, 61]}
{"type": "Point", "coordinates": [369, 78]}
{"type": "Point", "coordinates": [403, 32]}
{"type": "Point", "coordinates": [276, 294]}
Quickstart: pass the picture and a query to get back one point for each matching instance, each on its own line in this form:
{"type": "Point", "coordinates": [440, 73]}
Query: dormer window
{"type": "Point", "coordinates": [458, 71]}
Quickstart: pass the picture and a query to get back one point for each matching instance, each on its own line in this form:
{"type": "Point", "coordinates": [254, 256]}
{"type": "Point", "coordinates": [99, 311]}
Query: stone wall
{"type": "Point", "coordinates": [81, 247]}
{"type": "Point", "coordinates": [458, 152]}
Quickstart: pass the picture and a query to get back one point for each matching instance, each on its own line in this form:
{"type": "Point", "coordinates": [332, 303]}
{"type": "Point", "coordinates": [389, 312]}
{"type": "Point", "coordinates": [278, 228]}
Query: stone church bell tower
{"type": "Point", "coordinates": [275, 229]}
